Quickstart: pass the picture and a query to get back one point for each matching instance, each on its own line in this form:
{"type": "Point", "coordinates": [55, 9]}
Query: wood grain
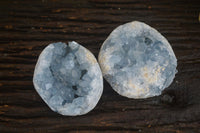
{"type": "Point", "coordinates": [26, 27]}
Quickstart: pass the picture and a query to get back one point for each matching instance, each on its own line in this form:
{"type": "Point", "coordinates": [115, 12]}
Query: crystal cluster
{"type": "Point", "coordinates": [68, 78]}
{"type": "Point", "coordinates": [137, 61]}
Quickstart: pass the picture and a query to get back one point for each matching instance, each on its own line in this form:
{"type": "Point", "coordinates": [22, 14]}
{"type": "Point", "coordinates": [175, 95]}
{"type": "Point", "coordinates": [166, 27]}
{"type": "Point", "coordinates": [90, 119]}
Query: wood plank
{"type": "Point", "coordinates": [26, 27]}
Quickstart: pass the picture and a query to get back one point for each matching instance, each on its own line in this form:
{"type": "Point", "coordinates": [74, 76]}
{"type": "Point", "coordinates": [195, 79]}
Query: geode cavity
{"type": "Point", "coordinates": [68, 78]}
{"type": "Point", "coordinates": [137, 61]}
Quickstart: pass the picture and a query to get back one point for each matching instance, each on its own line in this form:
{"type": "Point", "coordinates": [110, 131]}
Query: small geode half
{"type": "Point", "coordinates": [68, 78]}
{"type": "Point", "coordinates": [137, 61]}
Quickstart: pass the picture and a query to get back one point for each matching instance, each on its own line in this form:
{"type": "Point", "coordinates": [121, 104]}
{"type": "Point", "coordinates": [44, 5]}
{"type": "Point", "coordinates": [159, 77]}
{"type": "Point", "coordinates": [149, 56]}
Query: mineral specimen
{"type": "Point", "coordinates": [137, 61]}
{"type": "Point", "coordinates": [68, 78]}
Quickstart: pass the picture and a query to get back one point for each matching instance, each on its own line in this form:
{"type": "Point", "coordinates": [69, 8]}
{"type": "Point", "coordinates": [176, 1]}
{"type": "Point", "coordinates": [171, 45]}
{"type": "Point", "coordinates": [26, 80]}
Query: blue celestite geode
{"type": "Point", "coordinates": [137, 61]}
{"type": "Point", "coordinates": [68, 78]}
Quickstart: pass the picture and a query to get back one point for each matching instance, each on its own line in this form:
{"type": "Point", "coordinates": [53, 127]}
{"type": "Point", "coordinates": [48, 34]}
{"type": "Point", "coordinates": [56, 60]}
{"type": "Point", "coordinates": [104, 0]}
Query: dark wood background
{"type": "Point", "coordinates": [27, 26]}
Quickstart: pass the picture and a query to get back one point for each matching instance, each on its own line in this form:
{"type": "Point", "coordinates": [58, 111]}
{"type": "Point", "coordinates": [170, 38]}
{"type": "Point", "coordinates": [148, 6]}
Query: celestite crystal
{"type": "Point", "coordinates": [68, 78]}
{"type": "Point", "coordinates": [137, 61]}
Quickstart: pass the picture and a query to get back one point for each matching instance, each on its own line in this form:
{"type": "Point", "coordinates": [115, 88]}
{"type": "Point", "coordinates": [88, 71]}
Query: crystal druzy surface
{"type": "Point", "coordinates": [137, 61]}
{"type": "Point", "coordinates": [68, 78]}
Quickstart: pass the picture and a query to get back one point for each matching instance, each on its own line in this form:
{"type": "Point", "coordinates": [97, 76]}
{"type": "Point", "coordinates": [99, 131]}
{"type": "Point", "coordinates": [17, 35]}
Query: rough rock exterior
{"type": "Point", "coordinates": [137, 61]}
{"type": "Point", "coordinates": [68, 78]}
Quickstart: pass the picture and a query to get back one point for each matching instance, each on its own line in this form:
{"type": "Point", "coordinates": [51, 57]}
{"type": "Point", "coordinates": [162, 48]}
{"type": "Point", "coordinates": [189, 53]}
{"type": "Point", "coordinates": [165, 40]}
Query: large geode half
{"type": "Point", "coordinates": [68, 78]}
{"type": "Point", "coordinates": [137, 61]}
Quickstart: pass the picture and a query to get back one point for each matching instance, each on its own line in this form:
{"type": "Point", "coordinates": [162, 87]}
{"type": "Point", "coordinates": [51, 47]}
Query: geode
{"type": "Point", "coordinates": [68, 78]}
{"type": "Point", "coordinates": [137, 61]}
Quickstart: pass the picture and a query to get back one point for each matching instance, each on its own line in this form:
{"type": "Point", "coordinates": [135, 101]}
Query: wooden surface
{"type": "Point", "coordinates": [26, 27]}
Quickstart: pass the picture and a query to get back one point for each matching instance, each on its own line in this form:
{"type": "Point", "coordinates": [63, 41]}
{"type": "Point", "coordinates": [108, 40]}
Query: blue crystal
{"type": "Point", "coordinates": [137, 61]}
{"type": "Point", "coordinates": [68, 78]}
